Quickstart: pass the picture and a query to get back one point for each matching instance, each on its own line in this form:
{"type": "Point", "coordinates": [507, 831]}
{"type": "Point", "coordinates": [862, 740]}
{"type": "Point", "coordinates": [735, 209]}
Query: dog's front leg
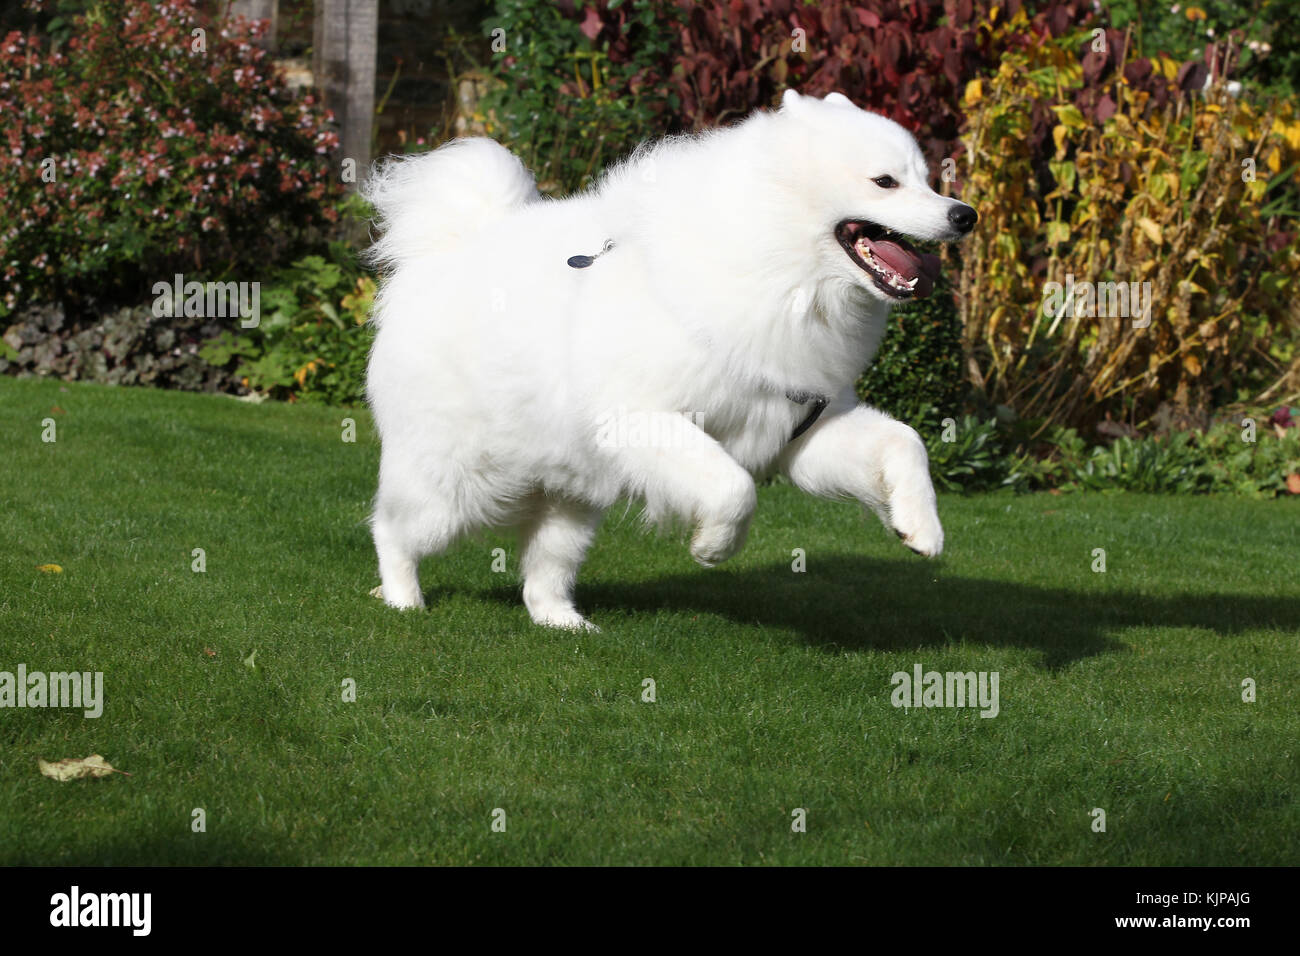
{"type": "Point", "coordinates": [862, 453]}
{"type": "Point", "coordinates": [680, 471]}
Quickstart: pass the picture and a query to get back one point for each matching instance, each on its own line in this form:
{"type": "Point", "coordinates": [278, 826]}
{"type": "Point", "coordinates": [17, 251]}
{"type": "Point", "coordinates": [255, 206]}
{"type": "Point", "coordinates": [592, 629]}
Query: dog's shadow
{"type": "Point", "coordinates": [851, 602]}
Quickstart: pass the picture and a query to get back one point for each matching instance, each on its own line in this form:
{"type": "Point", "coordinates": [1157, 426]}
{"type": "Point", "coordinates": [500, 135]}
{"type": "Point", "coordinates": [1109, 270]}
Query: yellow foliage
{"type": "Point", "coordinates": [1126, 199]}
{"type": "Point", "coordinates": [1151, 228]}
{"type": "Point", "coordinates": [1288, 131]}
{"type": "Point", "coordinates": [300, 376]}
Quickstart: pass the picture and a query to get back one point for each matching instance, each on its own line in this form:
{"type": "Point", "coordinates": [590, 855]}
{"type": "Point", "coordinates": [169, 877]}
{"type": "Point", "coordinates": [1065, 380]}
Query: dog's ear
{"type": "Point", "coordinates": [789, 99]}
{"type": "Point", "coordinates": [839, 99]}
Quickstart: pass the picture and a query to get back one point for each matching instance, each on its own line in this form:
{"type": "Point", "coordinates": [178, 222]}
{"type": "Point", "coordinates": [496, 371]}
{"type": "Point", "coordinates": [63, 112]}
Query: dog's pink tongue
{"type": "Point", "coordinates": [903, 261]}
{"type": "Point", "coordinates": [910, 264]}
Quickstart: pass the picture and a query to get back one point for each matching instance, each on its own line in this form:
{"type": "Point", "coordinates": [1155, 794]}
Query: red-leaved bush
{"type": "Point", "coordinates": [908, 59]}
{"type": "Point", "coordinates": [152, 142]}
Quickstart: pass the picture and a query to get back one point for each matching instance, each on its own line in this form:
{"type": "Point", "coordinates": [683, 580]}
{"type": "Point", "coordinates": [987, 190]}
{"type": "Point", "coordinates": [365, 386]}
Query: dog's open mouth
{"type": "Point", "coordinates": [897, 268]}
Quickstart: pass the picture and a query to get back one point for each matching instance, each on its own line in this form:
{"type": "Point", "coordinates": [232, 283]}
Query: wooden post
{"type": "Point", "coordinates": [346, 36]}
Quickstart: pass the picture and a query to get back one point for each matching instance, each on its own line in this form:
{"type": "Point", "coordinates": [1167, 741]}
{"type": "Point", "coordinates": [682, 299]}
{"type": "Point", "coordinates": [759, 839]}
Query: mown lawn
{"type": "Point", "coordinates": [1118, 690]}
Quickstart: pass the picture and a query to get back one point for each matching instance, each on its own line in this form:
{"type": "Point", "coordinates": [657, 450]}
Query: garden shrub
{"type": "Point", "coordinates": [169, 151]}
{"type": "Point", "coordinates": [908, 59]}
{"type": "Point", "coordinates": [1103, 168]}
{"type": "Point", "coordinates": [1263, 468]}
{"type": "Point", "coordinates": [313, 341]}
{"type": "Point", "coordinates": [917, 374]}
{"type": "Point", "coordinates": [1267, 31]}
{"type": "Point", "coordinates": [574, 88]}
{"type": "Point", "coordinates": [974, 454]}
{"type": "Point", "coordinates": [580, 83]}
{"type": "Point", "coordinates": [968, 454]}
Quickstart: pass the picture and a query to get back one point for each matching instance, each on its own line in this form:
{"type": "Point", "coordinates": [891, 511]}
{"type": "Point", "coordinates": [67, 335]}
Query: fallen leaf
{"type": "Point", "coordinates": [251, 660]}
{"type": "Point", "coordinates": [49, 569]}
{"type": "Point", "coordinates": [210, 652]}
{"type": "Point", "coordinates": [1293, 483]}
{"type": "Point", "coordinates": [58, 411]}
{"type": "Point", "coordinates": [74, 769]}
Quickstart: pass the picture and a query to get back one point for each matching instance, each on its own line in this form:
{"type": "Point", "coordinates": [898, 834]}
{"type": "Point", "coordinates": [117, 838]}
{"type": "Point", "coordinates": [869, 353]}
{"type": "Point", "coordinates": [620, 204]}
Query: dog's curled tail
{"type": "Point", "coordinates": [430, 202]}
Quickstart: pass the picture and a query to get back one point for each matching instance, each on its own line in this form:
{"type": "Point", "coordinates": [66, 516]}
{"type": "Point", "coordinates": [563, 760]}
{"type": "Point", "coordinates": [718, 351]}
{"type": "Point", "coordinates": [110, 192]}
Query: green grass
{"type": "Point", "coordinates": [1119, 690]}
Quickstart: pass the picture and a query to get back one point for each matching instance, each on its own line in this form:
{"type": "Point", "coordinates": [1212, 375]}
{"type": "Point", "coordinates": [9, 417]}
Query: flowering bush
{"type": "Point", "coordinates": [150, 143]}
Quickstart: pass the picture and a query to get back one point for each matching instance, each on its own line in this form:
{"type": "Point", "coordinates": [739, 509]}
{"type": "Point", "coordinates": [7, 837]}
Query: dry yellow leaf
{"type": "Point", "coordinates": [974, 92]}
{"type": "Point", "coordinates": [1289, 131]}
{"type": "Point", "coordinates": [49, 569]}
{"type": "Point", "coordinates": [1151, 228]}
{"type": "Point", "coordinates": [74, 769]}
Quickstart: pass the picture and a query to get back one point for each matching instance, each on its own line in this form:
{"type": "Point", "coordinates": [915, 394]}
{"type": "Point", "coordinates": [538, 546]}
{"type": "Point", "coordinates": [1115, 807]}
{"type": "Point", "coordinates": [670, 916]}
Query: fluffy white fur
{"type": "Point", "coordinates": [499, 373]}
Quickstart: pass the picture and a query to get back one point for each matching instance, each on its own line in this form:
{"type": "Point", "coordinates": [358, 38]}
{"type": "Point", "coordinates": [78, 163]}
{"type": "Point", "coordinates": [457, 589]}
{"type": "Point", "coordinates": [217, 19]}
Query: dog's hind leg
{"type": "Point", "coordinates": [414, 516]}
{"type": "Point", "coordinates": [399, 563]}
{"type": "Point", "coordinates": [553, 543]}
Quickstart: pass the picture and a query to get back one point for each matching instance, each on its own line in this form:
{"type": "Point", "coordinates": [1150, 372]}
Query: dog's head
{"type": "Point", "coordinates": [868, 181]}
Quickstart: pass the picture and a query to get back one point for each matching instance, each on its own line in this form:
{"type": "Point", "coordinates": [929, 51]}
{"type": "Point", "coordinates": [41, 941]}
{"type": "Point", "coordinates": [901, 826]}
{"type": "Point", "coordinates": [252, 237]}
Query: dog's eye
{"type": "Point", "coordinates": [885, 182]}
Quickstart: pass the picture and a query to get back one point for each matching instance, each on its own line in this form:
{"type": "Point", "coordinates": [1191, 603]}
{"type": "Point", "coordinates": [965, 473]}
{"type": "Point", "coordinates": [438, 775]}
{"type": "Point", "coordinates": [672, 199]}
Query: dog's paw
{"type": "Point", "coordinates": [915, 520]}
{"type": "Point", "coordinates": [713, 544]}
{"type": "Point", "coordinates": [414, 602]}
{"type": "Point", "coordinates": [909, 506]}
{"type": "Point", "coordinates": [565, 619]}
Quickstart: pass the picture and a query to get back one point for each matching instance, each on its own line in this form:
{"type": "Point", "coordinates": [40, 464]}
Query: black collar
{"type": "Point", "coordinates": [819, 403]}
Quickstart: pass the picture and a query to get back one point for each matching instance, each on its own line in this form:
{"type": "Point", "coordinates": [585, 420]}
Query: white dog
{"type": "Point", "coordinates": [695, 320]}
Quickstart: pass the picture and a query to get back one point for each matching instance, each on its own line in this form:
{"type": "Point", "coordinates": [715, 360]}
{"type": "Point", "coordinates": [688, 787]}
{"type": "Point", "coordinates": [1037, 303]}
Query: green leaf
{"type": "Point", "coordinates": [1070, 116]}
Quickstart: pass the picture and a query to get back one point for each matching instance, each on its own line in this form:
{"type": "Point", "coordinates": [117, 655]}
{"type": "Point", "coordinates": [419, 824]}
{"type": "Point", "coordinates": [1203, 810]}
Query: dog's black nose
{"type": "Point", "coordinates": [963, 217]}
